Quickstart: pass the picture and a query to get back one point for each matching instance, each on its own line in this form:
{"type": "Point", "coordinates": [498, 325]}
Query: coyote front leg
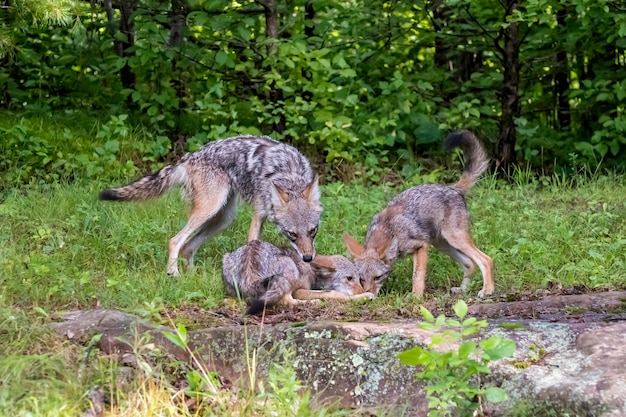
{"type": "Point", "coordinates": [255, 227]}
{"type": "Point", "coordinates": [420, 259]}
{"type": "Point", "coordinates": [303, 294]}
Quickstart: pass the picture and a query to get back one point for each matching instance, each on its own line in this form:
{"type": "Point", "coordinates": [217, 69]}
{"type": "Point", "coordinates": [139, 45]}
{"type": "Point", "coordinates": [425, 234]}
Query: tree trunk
{"type": "Point", "coordinates": [509, 100]}
{"type": "Point", "coordinates": [127, 76]}
{"type": "Point", "coordinates": [271, 24]}
{"type": "Point", "coordinates": [309, 15]}
{"type": "Point", "coordinates": [177, 23]}
{"type": "Point", "coordinates": [561, 78]}
{"type": "Point", "coordinates": [113, 27]}
{"type": "Point", "coordinates": [465, 64]}
{"type": "Point", "coordinates": [439, 22]}
{"type": "Point", "coordinates": [128, 29]}
{"type": "Point", "coordinates": [276, 96]}
{"type": "Point", "coordinates": [177, 20]}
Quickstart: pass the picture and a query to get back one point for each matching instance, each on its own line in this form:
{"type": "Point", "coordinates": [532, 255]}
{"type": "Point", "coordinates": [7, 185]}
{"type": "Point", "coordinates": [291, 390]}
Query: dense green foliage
{"type": "Point", "coordinates": [369, 85]}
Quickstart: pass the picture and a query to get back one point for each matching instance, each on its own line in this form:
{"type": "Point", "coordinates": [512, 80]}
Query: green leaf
{"type": "Point", "coordinates": [467, 349]}
{"type": "Point", "coordinates": [179, 338]}
{"type": "Point", "coordinates": [427, 326]}
{"type": "Point", "coordinates": [436, 339]}
{"type": "Point", "coordinates": [348, 73]}
{"type": "Point", "coordinates": [413, 356]}
{"type": "Point", "coordinates": [244, 32]}
{"type": "Point", "coordinates": [468, 321]}
{"type": "Point", "coordinates": [497, 347]}
{"type": "Point", "coordinates": [427, 315]}
{"type": "Point", "coordinates": [453, 323]}
{"type": "Point", "coordinates": [460, 309]}
{"type": "Point", "coordinates": [495, 395]}
{"type": "Point", "coordinates": [469, 331]}
{"type": "Point", "coordinates": [424, 85]}
{"type": "Point", "coordinates": [41, 311]}
{"type": "Point", "coordinates": [221, 58]}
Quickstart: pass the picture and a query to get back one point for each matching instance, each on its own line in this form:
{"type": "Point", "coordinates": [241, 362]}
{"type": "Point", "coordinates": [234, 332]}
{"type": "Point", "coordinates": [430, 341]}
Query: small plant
{"type": "Point", "coordinates": [453, 375]}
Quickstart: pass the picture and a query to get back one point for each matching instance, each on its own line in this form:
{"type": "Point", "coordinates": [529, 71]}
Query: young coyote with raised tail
{"type": "Point", "coordinates": [422, 216]}
{"type": "Point", "coordinates": [274, 177]}
{"type": "Point", "coordinates": [268, 275]}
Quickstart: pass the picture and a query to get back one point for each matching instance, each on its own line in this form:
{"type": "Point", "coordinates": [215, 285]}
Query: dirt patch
{"type": "Point", "coordinates": [572, 304]}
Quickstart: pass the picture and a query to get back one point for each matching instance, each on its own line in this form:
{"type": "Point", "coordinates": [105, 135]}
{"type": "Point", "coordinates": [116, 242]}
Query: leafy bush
{"type": "Point", "coordinates": [40, 150]}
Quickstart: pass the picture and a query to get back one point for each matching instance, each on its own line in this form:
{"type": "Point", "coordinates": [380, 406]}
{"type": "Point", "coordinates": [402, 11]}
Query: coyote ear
{"type": "Point", "coordinates": [312, 191]}
{"type": "Point", "coordinates": [279, 195]}
{"type": "Point", "coordinates": [354, 247]}
{"type": "Point", "coordinates": [324, 262]}
{"type": "Point", "coordinates": [324, 265]}
{"type": "Point", "coordinates": [391, 252]}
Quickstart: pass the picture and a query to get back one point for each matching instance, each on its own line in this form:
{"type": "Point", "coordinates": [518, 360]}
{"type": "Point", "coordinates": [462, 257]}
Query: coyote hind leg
{"type": "Point", "coordinates": [202, 211]}
{"type": "Point", "coordinates": [220, 221]}
{"type": "Point", "coordinates": [463, 249]}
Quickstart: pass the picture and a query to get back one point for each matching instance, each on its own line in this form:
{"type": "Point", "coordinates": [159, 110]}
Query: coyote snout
{"type": "Point", "coordinates": [305, 248]}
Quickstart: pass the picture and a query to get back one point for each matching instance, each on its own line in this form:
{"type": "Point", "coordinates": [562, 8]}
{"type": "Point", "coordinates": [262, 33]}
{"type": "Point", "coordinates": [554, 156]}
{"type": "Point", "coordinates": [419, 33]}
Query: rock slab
{"type": "Point", "coordinates": [579, 368]}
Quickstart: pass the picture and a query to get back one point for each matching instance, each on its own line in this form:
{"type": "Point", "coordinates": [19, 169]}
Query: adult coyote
{"type": "Point", "coordinates": [273, 177]}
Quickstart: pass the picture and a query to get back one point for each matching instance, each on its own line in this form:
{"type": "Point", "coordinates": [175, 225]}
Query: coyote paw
{"type": "Point", "coordinates": [484, 293]}
{"type": "Point", "coordinates": [366, 296]}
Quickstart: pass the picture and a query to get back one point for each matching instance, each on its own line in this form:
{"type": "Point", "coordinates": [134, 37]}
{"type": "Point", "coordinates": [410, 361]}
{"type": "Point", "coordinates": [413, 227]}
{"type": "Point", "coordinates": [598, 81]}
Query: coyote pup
{"type": "Point", "coordinates": [268, 275]}
{"type": "Point", "coordinates": [274, 177]}
{"type": "Point", "coordinates": [427, 215]}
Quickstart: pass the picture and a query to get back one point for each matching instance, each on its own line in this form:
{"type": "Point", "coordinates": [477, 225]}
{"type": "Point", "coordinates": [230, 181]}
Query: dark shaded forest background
{"type": "Point", "coordinates": [367, 86]}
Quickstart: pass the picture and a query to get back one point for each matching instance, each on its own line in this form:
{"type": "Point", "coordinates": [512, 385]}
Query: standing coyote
{"type": "Point", "coordinates": [268, 275]}
{"type": "Point", "coordinates": [427, 215]}
{"type": "Point", "coordinates": [272, 176]}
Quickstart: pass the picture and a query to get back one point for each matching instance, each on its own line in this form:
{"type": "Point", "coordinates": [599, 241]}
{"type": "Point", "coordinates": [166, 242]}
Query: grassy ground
{"type": "Point", "coordinates": [61, 248]}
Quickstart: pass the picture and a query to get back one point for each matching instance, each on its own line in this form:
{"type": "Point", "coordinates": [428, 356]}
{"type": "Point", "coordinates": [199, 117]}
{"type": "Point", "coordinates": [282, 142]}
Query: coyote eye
{"type": "Point", "coordinates": [313, 232]}
{"type": "Point", "coordinates": [379, 277]}
{"type": "Point", "coordinates": [349, 278]}
{"type": "Point", "coordinates": [292, 236]}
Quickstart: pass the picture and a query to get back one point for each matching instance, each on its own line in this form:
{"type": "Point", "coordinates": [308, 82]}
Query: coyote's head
{"type": "Point", "coordinates": [374, 262]}
{"type": "Point", "coordinates": [337, 273]}
{"type": "Point", "coordinates": [297, 216]}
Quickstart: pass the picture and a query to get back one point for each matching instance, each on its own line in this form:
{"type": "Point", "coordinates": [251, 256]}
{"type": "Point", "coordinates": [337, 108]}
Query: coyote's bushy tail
{"type": "Point", "coordinates": [277, 288]}
{"type": "Point", "coordinates": [150, 186]}
{"type": "Point", "coordinates": [476, 160]}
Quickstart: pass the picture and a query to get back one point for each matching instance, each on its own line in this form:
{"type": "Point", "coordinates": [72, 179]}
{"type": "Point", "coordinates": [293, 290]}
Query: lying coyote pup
{"type": "Point", "coordinates": [268, 275]}
{"type": "Point", "coordinates": [423, 216]}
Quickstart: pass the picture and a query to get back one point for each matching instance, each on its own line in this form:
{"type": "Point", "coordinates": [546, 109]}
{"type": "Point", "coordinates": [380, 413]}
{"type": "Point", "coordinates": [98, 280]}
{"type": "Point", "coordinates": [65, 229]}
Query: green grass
{"type": "Point", "coordinates": [61, 248]}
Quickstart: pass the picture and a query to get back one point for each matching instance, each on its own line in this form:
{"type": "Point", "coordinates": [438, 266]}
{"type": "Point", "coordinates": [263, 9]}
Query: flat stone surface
{"type": "Point", "coordinates": [574, 365]}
